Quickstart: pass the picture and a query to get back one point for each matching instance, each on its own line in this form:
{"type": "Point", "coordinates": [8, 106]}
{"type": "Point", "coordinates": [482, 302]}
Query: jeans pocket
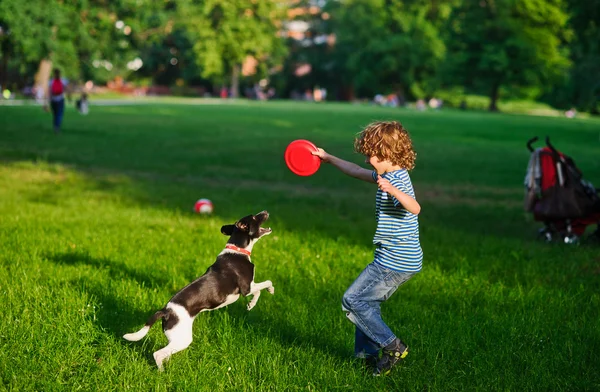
{"type": "Point", "coordinates": [384, 274]}
{"type": "Point", "coordinates": [396, 278]}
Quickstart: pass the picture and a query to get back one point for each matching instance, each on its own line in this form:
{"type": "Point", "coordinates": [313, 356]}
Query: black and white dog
{"type": "Point", "coordinates": [230, 276]}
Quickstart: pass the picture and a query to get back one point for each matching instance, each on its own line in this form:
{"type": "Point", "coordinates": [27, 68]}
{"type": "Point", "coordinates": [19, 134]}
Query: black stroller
{"type": "Point", "coordinates": [558, 196]}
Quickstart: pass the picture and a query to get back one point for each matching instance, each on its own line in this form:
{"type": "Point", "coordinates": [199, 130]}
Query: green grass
{"type": "Point", "coordinates": [97, 232]}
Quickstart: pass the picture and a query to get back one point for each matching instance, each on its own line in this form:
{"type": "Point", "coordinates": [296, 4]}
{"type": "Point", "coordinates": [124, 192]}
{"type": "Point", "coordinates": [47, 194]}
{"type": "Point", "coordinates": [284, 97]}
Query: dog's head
{"type": "Point", "coordinates": [245, 232]}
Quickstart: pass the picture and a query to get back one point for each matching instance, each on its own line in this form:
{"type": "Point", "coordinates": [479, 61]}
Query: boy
{"type": "Point", "coordinates": [398, 255]}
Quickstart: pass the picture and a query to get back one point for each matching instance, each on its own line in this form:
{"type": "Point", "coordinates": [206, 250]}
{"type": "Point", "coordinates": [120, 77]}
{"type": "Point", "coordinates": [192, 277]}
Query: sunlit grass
{"type": "Point", "coordinates": [97, 232]}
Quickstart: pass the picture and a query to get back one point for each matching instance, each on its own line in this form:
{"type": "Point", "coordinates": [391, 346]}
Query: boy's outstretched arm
{"type": "Point", "coordinates": [349, 168]}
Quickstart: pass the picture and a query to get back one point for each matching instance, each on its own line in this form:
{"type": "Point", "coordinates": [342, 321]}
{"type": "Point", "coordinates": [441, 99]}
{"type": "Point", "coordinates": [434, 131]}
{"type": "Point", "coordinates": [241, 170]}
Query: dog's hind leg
{"type": "Point", "coordinates": [181, 339]}
{"type": "Point", "coordinates": [255, 296]}
{"type": "Point", "coordinates": [178, 333]}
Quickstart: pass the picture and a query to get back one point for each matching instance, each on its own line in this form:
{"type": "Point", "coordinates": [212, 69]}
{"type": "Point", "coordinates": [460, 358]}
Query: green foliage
{"type": "Point", "coordinates": [28, 27]}
{"type": "Point", "coordinates": [492, 44]}
{"type": "Point", "coordinates": [525, 49]}
{"type": "Point", "coordinates": [582, 89]}
{"type": "Point", "coordinates": [226, 32]}
{"type": "Point", "coordinates": [314, 50]}
{"type": "Point", "coordinates": [170, 59]}
{"type": "Point", "coordinates": [389, 44]}
{"type": "Point", "coordinates": [80, 37]}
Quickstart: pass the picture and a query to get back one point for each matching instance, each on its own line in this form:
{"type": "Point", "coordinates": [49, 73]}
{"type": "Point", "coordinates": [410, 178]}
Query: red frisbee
{"type": "Point", "coordinates": [299, 159]}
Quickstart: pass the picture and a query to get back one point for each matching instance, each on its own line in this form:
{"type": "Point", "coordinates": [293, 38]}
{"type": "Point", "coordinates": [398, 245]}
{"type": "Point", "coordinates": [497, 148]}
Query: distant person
{"type": "Point", "coordinates": [308, 94]}
{"type": "Point", "coordinates": [56, 94]}
{"type": "Point", "coordinates": [39, 95]}
{"type": "Point", "coordinates": [571, 113]}
{"type": "Point", "coordinates": [317, 94]}
{"type": "Point", "coordinates": [392, 100]}
{"type": "Point", "coordinates": [398, 255]}
{"type": "Point", "coordinates": [224, 93]}
{"type": "Point", "coordinates": [82, 104]}
{"type": "Point", "coordinates": [434, 103]}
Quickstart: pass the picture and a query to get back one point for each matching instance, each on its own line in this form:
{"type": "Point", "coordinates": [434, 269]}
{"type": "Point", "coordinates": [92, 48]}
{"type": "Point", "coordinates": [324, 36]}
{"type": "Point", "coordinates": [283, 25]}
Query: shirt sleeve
{"type": "Point", "coordinates": [374, 174]}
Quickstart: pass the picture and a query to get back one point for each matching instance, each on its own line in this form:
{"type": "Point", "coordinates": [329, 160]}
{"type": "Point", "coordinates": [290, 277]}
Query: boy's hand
{"type": "Point", "coordinates": [406, 201]}
{"type": "Point", "coordinates": [321, 154]}
{"type": "Point", "coordinates": [384, 185]}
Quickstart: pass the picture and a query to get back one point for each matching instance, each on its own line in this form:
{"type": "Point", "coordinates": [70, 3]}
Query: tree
{"type": "Point", "coordinates": [507, 43]}
{"type": "Point", "coordinates": [582, 89]}
{"type": "Point", "coordinates": [226, 32]}
{"type": "Point", "coordinates": [390, 45]}
{"type": "Point", "coordinates": [87, 38]}
{"type": "Point", "coordinates": [26, 33]}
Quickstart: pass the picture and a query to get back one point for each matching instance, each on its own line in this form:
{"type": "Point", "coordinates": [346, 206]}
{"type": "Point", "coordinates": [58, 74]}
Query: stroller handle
{"type": "Point", "coordinates": [530, 142]}
{"type": "Point", "coordinates": [555, 153]}
{"type": "Point", "coordinates": [551, 146]}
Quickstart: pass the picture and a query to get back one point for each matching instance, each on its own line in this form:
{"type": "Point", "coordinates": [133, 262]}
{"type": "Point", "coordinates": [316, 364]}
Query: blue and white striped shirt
{"type": "Point", "coordinates": [397, 234]}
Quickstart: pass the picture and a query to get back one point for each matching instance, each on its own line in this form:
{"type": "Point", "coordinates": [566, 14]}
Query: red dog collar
{"type": "Point", "coordinates": [233, 247]}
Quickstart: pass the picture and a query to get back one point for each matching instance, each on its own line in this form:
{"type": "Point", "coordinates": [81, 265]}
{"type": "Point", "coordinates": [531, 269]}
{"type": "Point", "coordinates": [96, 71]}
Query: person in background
{"type": "Point", "coordinates": [82, 104]}
{"type": "Point", "coordinates": [56, 96]}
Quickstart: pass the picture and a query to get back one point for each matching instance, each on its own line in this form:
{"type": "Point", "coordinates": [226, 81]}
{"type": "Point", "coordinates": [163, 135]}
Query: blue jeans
{"type": "Point", "coordinates": [362, 304]}
{"type": "Point", "coordinates": [58, 109]}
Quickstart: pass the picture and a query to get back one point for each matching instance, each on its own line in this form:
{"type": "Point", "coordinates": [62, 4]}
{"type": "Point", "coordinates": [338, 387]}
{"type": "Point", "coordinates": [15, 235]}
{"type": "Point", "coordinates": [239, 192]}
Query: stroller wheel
{"type": "Point", "coordinates": [571, 239]}
{"type": "Point", "coordinates": [545, 234]}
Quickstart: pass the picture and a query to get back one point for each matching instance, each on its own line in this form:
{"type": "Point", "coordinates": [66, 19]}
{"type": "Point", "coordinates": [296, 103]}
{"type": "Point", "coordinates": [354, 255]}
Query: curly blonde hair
{"type": "Point", "coordinates": [387, 140]}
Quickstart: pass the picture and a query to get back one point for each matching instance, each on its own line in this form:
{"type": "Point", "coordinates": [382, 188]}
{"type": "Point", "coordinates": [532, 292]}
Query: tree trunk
{"type": "Point", "coordinates": [4, 72]}
{"type": "Point", "coordinates": [346, 93]}
{"type": "Point", "coordinates": [401, 96]}
{"type": "Point", "coordinates": [235, 81]}
{"type": "Point", "coordinates": [42, 77]}
{"type": "Point", "coordinates": [494, 97]}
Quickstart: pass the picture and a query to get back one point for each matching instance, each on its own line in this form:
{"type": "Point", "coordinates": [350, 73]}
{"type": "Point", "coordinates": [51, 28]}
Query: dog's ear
{"type": "Point", "coordinates": [242, 226]}
{"type": "Point", "coordinates": [227, 229]}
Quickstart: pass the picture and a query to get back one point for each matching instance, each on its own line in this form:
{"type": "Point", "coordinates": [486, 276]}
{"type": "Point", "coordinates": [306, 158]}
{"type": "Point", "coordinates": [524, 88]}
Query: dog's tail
{"type": "Point", "coordinates": [134, 337]}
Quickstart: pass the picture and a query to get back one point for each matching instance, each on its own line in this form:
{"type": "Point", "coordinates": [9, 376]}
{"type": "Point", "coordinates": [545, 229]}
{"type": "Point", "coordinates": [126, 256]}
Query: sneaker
{"type": "Point", "coordinates": [371, 363]}
{"type": "Point", "coordinates": [391, 355]}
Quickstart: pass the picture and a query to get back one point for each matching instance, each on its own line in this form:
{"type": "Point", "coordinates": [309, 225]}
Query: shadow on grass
{"type": "Point", "coordinates": [295, 208]}
{"type": "Point", "coordinates": [144, 162]}
{"type": "Point", "coordinates": [118, 316]}
{"type": "Point", "coordinates": [115, 270]}
{"type": "Point", "coordinates": [114, 315]}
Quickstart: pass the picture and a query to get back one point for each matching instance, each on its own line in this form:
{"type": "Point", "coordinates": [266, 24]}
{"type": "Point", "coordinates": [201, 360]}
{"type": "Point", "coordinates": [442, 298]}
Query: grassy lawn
{"type": "Point", "coordinates": [97, 232]}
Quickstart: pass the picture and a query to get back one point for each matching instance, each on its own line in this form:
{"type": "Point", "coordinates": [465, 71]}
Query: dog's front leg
{"type": "Point", "coordinates": [255, 289]}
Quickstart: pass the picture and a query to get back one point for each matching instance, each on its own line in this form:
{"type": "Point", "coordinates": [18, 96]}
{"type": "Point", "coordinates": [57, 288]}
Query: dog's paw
{"type": "Point", "coordinates": [159, 362]}
{"type": "Point", "coordinates": [271, 290]}
{"type": "Point", "coordinates": [250, 305]}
